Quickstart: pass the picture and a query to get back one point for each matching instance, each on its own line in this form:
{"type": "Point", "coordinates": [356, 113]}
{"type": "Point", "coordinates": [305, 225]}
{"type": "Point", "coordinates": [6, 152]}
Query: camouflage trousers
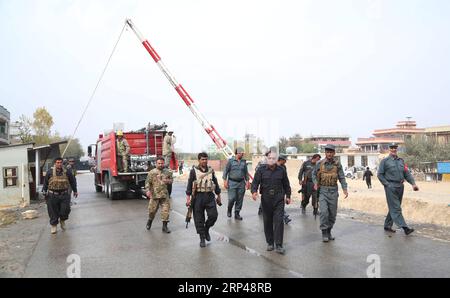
{"type": "Point", "coordinates": [153, 206]}
{"type": "Point", "coordinates": [123, 163]}
{"type": "Point", "coordinates": [167, 159]}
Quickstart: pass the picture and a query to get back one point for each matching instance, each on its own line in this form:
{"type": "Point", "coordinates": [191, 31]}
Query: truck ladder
{"type": "Point", "coordinates": [210, 130]}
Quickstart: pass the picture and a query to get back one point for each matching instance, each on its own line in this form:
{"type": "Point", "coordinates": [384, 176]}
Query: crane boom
{"type": "Point", "coordinates": [210, 129]}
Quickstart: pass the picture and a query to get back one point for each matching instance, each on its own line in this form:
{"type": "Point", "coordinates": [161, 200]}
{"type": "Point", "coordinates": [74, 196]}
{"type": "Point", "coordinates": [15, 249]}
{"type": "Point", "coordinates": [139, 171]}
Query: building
{"type": "Point", "coordinates": [14, 133]}
{"type": "Point", "coordinates": [20, 179]}
{"type": "Point", "coordinates": [4, 126]}
{"type": "Point", "coordinates": [341, 142]}
{"type": "Point", "coordinates": [404, 130]}
{"type": "Point", "coordinates": [441, 134]}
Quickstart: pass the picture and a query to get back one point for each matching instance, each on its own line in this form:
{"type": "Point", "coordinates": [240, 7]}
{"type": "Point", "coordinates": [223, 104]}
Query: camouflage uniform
{"type": "Point", "coordinates": [160, 194]}
{"type": "Point", "coordinates": [167, 149]}
{"type": "Point", "coordinates": [123, 149]}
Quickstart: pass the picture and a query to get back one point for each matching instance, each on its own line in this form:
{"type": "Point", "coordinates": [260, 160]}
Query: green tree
{"type": "Point", "coordinates": [307, 147]}
{"type": "Point", "coordinates": [422, 150]}
{"type": "Point", "coordinates": [25, 131]}
{"type": "Point", "coordinates": [283, 143]}
{"type": "Point", "coordinates": [75, 149]}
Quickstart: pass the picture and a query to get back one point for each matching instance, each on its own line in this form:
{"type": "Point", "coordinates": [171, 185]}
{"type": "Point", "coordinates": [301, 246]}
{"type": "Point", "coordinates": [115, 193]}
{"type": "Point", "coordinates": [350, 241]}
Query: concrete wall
{"type": "Point", "coordinates": [15, 156]}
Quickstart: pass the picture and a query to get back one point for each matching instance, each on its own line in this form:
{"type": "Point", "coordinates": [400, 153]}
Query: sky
{"type": "Point", "coordinates": [270, 68]}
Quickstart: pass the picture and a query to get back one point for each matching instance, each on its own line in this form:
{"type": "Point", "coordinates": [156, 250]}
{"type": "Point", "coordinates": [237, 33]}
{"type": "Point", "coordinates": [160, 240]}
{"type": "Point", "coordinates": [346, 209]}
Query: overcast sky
{"type": "Point", "coordinates": [272, 68]}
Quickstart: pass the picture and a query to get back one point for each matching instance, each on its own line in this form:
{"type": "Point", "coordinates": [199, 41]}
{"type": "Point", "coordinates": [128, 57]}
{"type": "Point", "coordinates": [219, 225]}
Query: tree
{"type": "Point", "coordinates": [283, 143]}
{"type": "Point", "coordinates": [307, 147]}
{"type": "Point", "coordinates": [25, 129]}
{"type": "Point", "coordinates": [421, 150]}
{"type": "Point", "coordinates": [75, 149]}
{"type": "Point", "coordinates": [296, 141]}
{"type": "Point", "coordinates": [42, 124]}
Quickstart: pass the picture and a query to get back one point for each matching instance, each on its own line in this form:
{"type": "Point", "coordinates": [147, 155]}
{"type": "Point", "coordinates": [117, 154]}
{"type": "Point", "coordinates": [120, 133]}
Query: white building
{"type": "Point", "coordinates": [20, 179]}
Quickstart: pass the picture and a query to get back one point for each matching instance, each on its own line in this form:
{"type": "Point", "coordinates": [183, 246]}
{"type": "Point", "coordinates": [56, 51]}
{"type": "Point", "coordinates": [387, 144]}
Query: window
{"type": "Point", "coordinates": [364, 160]}
{"type": "Point", "coordinates": [9, 177]}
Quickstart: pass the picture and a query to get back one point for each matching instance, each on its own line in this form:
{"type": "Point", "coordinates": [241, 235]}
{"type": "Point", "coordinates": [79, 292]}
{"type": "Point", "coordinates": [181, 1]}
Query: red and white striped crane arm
{"type": "Point", "coordinates": [210, 130]}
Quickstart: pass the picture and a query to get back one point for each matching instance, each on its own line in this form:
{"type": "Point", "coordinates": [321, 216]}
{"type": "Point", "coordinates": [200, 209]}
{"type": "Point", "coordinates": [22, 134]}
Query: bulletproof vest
{"type": "Point", "coordinates": [328, 177]}
{"type": "Point", "coordinates": [58, 183]}
{"type": "Point", "coordinates": [204, 181]}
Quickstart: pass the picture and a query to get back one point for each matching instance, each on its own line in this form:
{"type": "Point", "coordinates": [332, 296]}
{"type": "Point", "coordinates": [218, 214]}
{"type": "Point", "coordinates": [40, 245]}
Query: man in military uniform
{"type": "Point", "coordinates": [156, 190]}
{"type": "Point", "coordinates": [202, 185]}
{"type": "Point", "coordinates": [168, 142]}
{"type": "Point", "coordinates": [56, 191]}
{"type": "Point", "coordinates": [123, 149]}
{"type": "Point", "coordinates": [273, 184]}
{"type": "Point", "coordinates": [325, 176]}
{"type": "Point", "coordinates": [392, 173]}
{"type": "Point", "coordinates": [236, 180]}
{"type": "Point", "coordinates": [71, 167]}
{"type": "Point", "coordinates": [305, 180]}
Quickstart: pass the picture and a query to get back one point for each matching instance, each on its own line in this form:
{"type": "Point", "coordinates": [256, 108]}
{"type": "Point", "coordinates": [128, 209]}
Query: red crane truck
{"type": "Point", "coordinates": [145, 146]}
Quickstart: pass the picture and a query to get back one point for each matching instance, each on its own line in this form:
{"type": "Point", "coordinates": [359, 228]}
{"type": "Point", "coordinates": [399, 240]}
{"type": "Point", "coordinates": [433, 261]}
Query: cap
{"type": "Point", "coordinates": [393, 145]}
{"type": "Point", "coordinates": [71, 159]}
{"type": "Point", "coordinates": [282, 157]}
{"type": "Point", "coordinates": [239, 150]}
{"type": "Point", "coordinates": [119, 133]}
{"type": "Point", "coordinates": [330, 147]}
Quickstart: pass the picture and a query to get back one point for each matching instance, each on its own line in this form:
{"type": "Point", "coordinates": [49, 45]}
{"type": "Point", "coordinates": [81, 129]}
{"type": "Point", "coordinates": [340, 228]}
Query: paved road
{"type": "Point", "coordinates": [111, 240]}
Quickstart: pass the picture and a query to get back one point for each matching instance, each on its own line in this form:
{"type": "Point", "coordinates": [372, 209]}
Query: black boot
{"type": "Point", "coordinates": [149, 224]}
{"type": "Point", "coordinates": [207, 236]}
{"type": "Point", "coordinates": [237, 216]}
{"type": "Point", "coordinates": [202, 241]}
{"type": "Point", "coordinates": [303, 210]}
{"type": "Point", "coordinates": [408, 230]}
{"type": "Point", "coordinates": [330, 237]}
{"type": "Point", "coordinates": [325, 236]}
{"type": "Point", "coordinates": [229, 211]}
{"type": "Point", "coordinates": [165, 229]}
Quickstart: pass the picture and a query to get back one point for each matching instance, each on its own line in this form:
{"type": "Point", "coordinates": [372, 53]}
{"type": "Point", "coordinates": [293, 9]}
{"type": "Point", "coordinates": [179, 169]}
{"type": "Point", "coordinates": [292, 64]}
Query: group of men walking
{"type": "Point", "coordinates": [318, 179]}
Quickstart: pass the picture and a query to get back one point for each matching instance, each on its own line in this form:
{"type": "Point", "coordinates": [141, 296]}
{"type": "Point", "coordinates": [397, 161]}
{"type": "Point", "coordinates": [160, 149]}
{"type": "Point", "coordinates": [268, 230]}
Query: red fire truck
{"type": "Point", "coordinates": [145, 146]}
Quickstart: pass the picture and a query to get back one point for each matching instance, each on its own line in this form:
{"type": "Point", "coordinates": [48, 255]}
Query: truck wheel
{"type": "Point", "coordinates": [115, 195]}
{"type": "Point", "coordinates": [107, 187]}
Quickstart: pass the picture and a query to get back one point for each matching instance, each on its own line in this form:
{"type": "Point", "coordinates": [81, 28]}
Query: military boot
{"type": "Point", "coordinates": [229, 211]}
{"type": "Point", "coordinates": [63, 225]}
{"type": "Point", "coordinates": [202, 241]}
{"type": "Point", "coordinates": [165, 229]}
{"type": "Point", "coordinates": [408, 230]}
{"type": "Point", "coordinates": [325, 236]}
{"type": "Point", "coordinates": [330, 237]}
{"type": "Point", "coordinates": [54, 229]}
{"type": "Point", "coordinates": [149, 224]}
{"type": "Point", "coordinates": [237, 216]}
{"type": "Point", "coordinates": [207, 236]}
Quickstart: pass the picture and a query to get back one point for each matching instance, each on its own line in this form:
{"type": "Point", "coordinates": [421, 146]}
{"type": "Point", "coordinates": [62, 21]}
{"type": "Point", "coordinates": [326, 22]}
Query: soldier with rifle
{"type": "Point", "coordinates": [202, 185]}
{"type": "Point", "coordinates": [305, 180]}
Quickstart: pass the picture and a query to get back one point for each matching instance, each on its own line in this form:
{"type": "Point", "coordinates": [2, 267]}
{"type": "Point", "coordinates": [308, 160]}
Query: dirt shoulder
{"type": "Point", "coordinates": [18, 238]}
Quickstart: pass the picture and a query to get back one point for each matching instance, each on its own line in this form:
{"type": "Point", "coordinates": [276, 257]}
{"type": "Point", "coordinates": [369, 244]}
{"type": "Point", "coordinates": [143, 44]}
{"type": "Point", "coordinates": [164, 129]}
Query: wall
{"type": "Point", "coordinates": [15, 156]}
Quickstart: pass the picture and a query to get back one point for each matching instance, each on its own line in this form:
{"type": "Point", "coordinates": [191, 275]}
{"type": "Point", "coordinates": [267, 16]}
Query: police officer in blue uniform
{"type": "Point", "coordinates": [392, 173]}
